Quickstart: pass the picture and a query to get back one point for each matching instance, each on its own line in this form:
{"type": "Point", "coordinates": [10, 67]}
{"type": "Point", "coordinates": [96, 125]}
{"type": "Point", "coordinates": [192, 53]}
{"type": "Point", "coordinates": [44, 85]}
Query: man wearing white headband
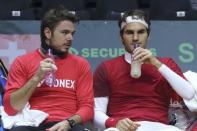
{"type": "Point", "coordinates": [129, 103]}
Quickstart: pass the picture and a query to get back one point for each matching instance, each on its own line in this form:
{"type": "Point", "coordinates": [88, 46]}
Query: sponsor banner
{"type": "Point", "coordinates": [99, 40]}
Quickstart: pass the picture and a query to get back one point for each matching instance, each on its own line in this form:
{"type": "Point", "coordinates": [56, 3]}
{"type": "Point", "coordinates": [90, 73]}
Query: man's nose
{"type": "Point", "coordinates": [69, 36]}
{"type": "Point", "coordinates": [135, 37]}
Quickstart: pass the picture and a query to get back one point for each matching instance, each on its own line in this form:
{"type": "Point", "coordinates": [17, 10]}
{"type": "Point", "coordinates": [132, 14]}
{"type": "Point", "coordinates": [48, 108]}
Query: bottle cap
{"type": "Point", "coordinates": [49, 52]}
{"type": "Point", "coordinates": [136, 45]}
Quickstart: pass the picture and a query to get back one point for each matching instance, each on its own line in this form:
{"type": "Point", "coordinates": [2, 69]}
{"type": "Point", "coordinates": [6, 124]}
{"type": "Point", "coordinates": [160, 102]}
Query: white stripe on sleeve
{"type": "Point", "coordinates": [100, 110]}
{"type": "Point", "coordinates": [179, 84]}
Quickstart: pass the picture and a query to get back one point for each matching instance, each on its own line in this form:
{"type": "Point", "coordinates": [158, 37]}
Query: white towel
{"type": "Point", "coordinates": [156, 126]}
{"type": "Point", "coordinates": [151, 126]}
{"type": "Point", "coordinates": [26, 117]}
{"type": "Point", "coordinates": [192, 78]}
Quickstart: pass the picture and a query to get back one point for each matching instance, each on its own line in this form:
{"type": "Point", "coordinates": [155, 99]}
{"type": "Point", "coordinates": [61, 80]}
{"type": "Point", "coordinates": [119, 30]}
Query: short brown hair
{"type": "Point", "coordinates": [139, 13]}
{"type": "Point", "coordinates": [52, 18]}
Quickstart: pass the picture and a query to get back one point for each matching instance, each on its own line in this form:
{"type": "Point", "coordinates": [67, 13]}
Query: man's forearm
{"type": "Point", "coordinates": [180, 85]}
{"type": "Point", "coordinates": [100, 109]}
{"type": "Point", "coordinates": [20, 97]}
{"type": "Point", "coordinates": [156, 62]}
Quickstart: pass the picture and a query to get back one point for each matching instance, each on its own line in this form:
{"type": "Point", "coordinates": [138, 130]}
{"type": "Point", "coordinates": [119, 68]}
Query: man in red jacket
{"type": "Point", "coordinates": [129, 103]}
{"type": "Point", "coordinates": [69, 100]}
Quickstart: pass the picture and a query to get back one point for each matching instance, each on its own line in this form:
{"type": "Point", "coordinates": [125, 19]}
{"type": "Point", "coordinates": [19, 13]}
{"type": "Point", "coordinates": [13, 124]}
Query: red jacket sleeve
{"type": "Point", "coordinates": [16, 79]}
{"type": "Point", "coordinates": [85, 93]}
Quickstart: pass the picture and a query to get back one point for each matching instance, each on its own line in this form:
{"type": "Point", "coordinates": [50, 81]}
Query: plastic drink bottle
{"type": "Point", "coordinates": [135, 66]}
{"type": "Point", "coordinates": [50, 75]}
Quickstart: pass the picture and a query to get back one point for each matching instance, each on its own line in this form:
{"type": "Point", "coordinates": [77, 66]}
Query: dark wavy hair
{"type": "Point", "coordinates": [51, 19]}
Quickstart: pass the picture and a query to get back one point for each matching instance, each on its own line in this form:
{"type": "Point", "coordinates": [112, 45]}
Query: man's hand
{"type": "Point", "coordinates": [127, 125]}
{"type": "Point", "coordinates": [20, 97]}
{"type": "Point", "coordinates": [61, 126]}
{"type": "Point", "coordinates": [146, 56]}
{"type": "Point", "coordinates": [45, 65]}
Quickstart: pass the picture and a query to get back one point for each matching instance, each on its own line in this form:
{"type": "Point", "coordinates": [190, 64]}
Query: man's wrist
{"type": "Point", "coordinates": [71, 122]}
{"type": "Point", "coordinates": [156, 63]}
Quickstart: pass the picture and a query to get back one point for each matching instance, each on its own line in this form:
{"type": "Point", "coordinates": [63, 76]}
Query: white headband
{"type": "Point", "coordinates": [132, 19]}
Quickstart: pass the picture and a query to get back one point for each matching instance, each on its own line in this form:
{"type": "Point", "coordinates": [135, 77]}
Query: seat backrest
{"type": "Point", "coordinates": [105, 7]}
{"type": "Point", "coordinates": [16, 10]}
{"type": "Point", "coordinates": [164, 9]}
{"type": "Point", "coordinates": [83, 15]}
{"type": "Point", "coordinates": [194, 4]}
{"type": "Point", "coordinates": [72, 5]}
{"type": "Point", "coordinates": [26, 14]}
{"type": "Point", "coordinates": [15, 4]}
{"type": "Point", "coordinates": [182, 15]}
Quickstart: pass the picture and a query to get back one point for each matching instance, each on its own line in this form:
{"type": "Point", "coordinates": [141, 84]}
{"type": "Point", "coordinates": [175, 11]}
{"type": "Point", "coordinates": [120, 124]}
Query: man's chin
{"type": "Point", "coordinates": [61, 53]}
{"type": "Point", "coordinates": [65, 50]}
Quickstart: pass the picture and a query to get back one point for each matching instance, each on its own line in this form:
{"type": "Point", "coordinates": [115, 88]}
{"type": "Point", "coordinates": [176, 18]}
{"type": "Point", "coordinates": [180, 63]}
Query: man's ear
{"type": "Point", "coordinates": [47, 33]}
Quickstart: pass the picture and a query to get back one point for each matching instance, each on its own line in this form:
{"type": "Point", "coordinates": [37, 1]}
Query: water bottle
{"type": "Point", "coordinates": [50, 75]}
{"type": "Point", "coordinates": [180, 116]}
{"type": "Point", "coordinates": [135, 65]}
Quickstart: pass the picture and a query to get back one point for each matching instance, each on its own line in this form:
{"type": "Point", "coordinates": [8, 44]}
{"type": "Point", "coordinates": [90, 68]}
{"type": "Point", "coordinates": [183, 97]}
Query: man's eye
{"type": "Point", "coordinates": [65, 32]}
{"type": "Point", "coordinates": [129, 32]}
{"type": "Point", "coordinates": [141, 31]}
